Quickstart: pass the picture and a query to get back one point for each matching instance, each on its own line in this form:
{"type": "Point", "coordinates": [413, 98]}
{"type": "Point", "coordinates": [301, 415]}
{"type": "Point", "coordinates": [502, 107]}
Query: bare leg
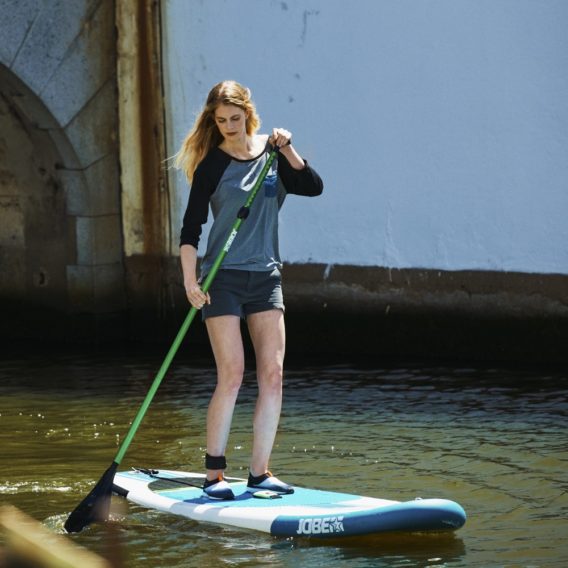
{"type": "Point", "coordinates": [268, 337]}
{"type": "Point", "coordinates": [226, 342]}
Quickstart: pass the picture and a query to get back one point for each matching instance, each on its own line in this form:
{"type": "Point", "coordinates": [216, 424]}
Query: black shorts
{"type": "Point", "coordinates": [244, 292]}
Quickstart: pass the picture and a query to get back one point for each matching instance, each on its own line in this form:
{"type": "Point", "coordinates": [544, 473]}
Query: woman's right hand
{"type": "Point", "coordinates": [196, 296]}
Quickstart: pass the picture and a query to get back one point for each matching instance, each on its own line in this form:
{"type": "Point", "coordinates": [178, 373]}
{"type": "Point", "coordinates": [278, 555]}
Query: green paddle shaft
{"type": "Point", "coordinates": [243, 213]}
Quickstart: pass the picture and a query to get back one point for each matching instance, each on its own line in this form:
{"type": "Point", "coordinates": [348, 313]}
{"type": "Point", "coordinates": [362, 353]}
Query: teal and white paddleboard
{"type": "Point", "coordinates": [307, 512]}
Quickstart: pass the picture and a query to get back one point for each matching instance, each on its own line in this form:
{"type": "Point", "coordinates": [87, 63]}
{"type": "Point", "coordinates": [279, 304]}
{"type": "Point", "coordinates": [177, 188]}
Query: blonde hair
{"type": "Point", "coordinates": [204, 134]}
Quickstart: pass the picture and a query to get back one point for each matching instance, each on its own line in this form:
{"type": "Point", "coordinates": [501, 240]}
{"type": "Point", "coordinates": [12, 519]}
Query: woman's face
{"type": "Point", "coordinates": [231, 122]}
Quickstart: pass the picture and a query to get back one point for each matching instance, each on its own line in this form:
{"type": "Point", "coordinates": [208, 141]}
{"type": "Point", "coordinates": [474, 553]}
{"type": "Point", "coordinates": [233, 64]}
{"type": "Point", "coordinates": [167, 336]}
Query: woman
{"type": "Point", "coordinates": [222, 156]}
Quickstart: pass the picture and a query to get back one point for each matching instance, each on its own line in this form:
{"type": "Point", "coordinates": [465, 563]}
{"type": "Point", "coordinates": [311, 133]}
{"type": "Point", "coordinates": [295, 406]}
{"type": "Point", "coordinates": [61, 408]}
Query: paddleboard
{"type": "Point", "coordinates": [305, 513]}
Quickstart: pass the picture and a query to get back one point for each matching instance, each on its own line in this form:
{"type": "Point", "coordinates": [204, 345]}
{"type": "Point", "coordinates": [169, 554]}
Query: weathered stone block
{"type": "Point", "coordinates": [12, 243]}
{"type": "Point", "coordinates": [55, 28]}
{"type": "Point", "coordinates": [76, 192]}
{"type": "Point", "coordinates": [94, 191]}
{"type": "Point", "coordinates": [108, 241]}
{"type": "Point", "coordinates": [85, 68]}
{"type": "Point", "coordinates": [80, 281]}
{"type": "Point", "coordinates": [109, 295]}
{"type": "Point", "coordinates": [26, 101]}
{"type": "Point", "coordinates": [17, 17]}
{"type": "Point", "coordinates": [104, 186]}
{"type": "Point", "coordinates": [93, 131]}
{"type": "Point", "coordinates": [99, 240]}
{"type": "Point", "coordinates": [96, 289]}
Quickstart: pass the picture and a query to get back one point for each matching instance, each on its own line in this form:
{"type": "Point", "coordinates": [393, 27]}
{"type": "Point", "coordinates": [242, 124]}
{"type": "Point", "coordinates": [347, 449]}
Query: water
{"type": "Point", "coordinates": [492, 439]}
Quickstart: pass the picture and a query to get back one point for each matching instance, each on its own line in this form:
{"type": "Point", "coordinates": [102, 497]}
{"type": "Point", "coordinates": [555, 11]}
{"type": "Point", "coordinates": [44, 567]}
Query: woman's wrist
{"type": "Point", "coordinates": [190, 283]}
{"type": "Point", "coordinates": [294, 159]}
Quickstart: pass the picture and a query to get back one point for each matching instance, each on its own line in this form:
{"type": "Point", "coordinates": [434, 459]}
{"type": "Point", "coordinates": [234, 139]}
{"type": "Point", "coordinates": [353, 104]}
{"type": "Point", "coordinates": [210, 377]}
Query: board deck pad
{"type": "Point", "coordinates": [305, 513]}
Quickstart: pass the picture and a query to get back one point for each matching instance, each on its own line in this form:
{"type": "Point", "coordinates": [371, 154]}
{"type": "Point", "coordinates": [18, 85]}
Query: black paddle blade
{"type": "Point", "coordinates": [95, 506]}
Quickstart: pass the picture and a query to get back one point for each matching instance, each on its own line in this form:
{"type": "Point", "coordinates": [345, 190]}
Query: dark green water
{"type": "Point", "coordinates": [494, 440]}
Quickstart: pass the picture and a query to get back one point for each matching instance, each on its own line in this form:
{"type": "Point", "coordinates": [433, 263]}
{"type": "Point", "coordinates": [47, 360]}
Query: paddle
{"type": "Point", "coordinates": [95, 506]}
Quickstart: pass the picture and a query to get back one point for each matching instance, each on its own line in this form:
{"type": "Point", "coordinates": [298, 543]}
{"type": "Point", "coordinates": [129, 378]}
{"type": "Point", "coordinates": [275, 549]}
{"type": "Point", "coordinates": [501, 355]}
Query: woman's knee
{"type": "Point", "coordinates": [230, 378]}
{"type": "Point", "coordinates": [270, 377]}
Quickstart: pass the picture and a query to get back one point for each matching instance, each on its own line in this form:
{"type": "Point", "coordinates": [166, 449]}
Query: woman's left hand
{"type": "Point", "coordinates": [280, 137]}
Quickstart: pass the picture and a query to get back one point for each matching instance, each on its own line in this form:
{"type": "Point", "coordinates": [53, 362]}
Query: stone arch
{"type": "Point", "coordinates": [61, 241]}
{"type": "Point", "coordinates": [34, 228]}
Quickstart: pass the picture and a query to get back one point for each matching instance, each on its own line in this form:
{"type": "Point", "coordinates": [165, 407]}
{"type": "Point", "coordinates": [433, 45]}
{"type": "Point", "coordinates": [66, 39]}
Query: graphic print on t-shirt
{"type": "Point", "coordinates": [271, 184]}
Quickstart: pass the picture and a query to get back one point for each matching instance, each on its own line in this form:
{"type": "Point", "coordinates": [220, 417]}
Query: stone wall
{"type": "Point", "coordinates": [88, 229]}
{"type": "Point", "coordinates": [61, 242]}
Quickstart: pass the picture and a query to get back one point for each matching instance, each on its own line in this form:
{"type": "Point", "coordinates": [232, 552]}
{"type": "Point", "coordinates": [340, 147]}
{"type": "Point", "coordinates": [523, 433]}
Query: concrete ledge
{"type": "Point", "coordinates": [357, 289]}
{"type": "Point", "coordinates": [373, 312]}
{"type": "Point", "coordinates": [338, 313]}
{"type": "Point", "coordinates": [380, 312]}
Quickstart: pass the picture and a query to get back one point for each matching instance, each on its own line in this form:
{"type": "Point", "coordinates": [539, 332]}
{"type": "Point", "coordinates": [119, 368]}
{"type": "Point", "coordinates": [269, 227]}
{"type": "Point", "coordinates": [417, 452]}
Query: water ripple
{"type": "Point", "coordinates": [493, 439]}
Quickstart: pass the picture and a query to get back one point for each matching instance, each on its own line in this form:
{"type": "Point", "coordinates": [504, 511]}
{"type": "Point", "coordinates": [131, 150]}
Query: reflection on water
{"type": "Point", "coordinates": [493, 440]}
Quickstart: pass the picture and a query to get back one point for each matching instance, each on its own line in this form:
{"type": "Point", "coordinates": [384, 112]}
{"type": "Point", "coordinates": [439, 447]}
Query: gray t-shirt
{"type": "Point", "coordinates": [223, 182]}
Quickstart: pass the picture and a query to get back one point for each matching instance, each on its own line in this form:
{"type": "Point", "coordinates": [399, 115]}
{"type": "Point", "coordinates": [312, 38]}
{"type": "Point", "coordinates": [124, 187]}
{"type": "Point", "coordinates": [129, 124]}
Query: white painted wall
{"type": "Point", "coordinates": [440, 127]}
